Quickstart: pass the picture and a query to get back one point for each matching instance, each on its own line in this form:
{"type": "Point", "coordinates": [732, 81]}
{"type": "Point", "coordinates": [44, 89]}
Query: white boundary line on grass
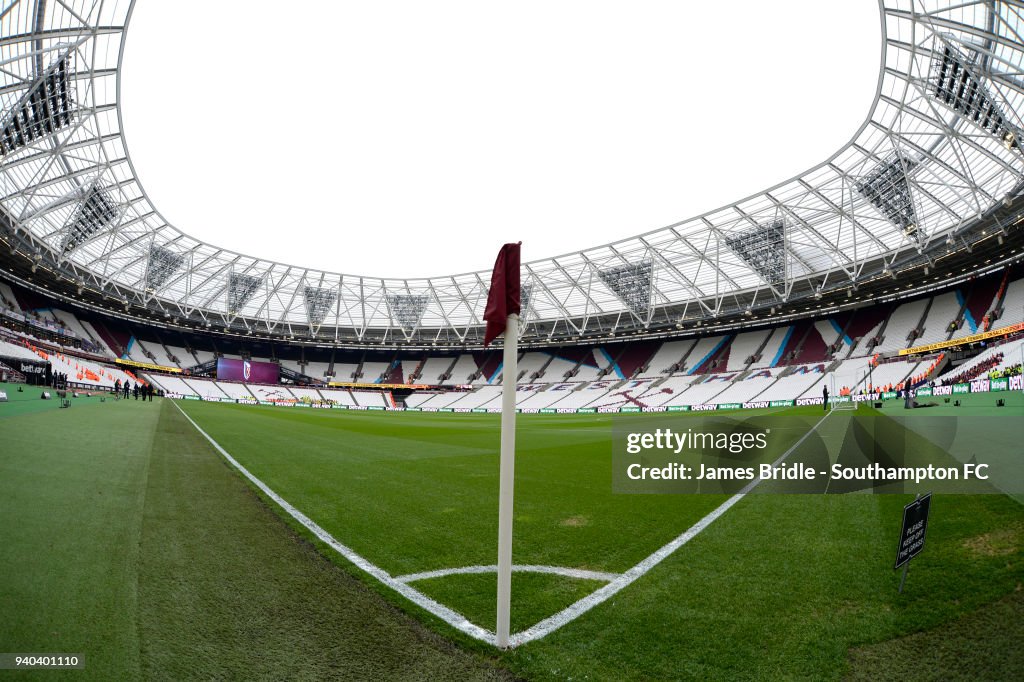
{"type": "Point", "coordinates": [453, 618]}
{"type": "Point", "coordinates": [457, 620]}
{"type": "Point", "coordinates": [567, 615]}
{"type": "Point", "coordinates": [578, 573]}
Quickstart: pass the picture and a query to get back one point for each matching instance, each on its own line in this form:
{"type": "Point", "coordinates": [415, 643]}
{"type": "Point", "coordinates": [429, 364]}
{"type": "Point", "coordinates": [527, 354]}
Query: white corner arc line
{"type": "Point", "coordinates": [453, 618]}
{"type": "Point", "coordinates": [457, 620]}
{"type": "Point", "coordinates": [578, 573]}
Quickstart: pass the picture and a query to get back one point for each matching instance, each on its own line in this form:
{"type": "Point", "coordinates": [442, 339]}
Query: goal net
{"type": "Point", "coordinates": [844, 385]}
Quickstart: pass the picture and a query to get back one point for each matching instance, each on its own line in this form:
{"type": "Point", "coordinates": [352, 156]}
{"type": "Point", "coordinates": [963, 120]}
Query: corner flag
{"type": "Point", "coordinates": [502, 315]}
{"type": "Point", "coordinates": [503, 298]}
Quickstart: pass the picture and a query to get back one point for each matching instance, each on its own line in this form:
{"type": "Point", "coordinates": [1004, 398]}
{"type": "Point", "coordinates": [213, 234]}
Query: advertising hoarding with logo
{"type": "Point", "coordinates": [250, 372]}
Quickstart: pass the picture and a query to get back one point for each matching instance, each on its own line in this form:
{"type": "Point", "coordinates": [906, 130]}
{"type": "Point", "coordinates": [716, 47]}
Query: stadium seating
{"type": "Point", "coordinates": [370, 398]}
{"type": "Point", "coordinates": [775, 363]}
{"type": "Point", "coordinates": [744, 346]}
{"type": "Point", "coordinates": [205, 388]}
{"type": "Point", "coordinates": [343, 371]}
{"type": "Point", "coordinates": [419, 398]}
{"type": "Point", "coordinates": [890, 374]}
{"type": "Point", "coordinates": [294, 366]}
{"type": "Point", "coordinates": [941, 314]}
{"type": "Point", "coordinates": [171, 384]}
{"type": "Point", "coordinates": [702, 390]}
{"type": "Point", "coordinates": [532, 364]}
{"type": "Point", "coordinates": [204, 356]}
{"type": "Point", "coordinates": [796, 382]}
{"type": "Point", "coordinates": [372, 372]}
{"type": "Point", "coordinates": [977, 304]}
{"type": "Point", "coordinates": [137, 352]}
{"type": "Point", "coordinates": [848, 373]}
{"type": "Point", "coordinates": [464, 367]}
{"type": "Point", "coordinates": [179, 356]}
{"type": "Point", "coordinates": [72, 324]}
{"type": "Point", "coordinates": [577, 395]}
{"type": "Point", "coordinates": [625, 360]}
{"type": "Point", "coordinates": [746, 389]}
{"type": "Point", "coordinates": [432, 369]}
{"type": "Point", "coordinates": [1013, 305]}
{"type": "Point", "coordinates": [483, 396]}
{"type": "Point", "coordinates": [904, 320]}
{"type": "Point", "coordinates": [771, 354]}
{"type": "Point", "coordinates": [317, 370]}
{"type": "Point", "coordinates": [859, 327]}
{"type": "Point", "coordinates": [666, 358]}
{"type": "Point", "coordinates": [1006, 354]}
{"type": "Point", "coordinates": [16, 350]}
{"type": "Point", "coordinates": [83, 371]}
{"type": "Point", "coordinates": [562, 369]}
{"type": "Point", "coordinates": [161, 355]}
{"type": "Point", "coordinates": [639, 392]}
{"type": "Point", "coordinates": [233, 390]}
{"type": "Point", "coordinates": [699, 353]}
{"type": "Point", "coordinates": [8, 299]}
{"type": "Point", "coordinates": [285, 393]}
{"type": "Point", "coordinates": [338, 396]}
{"type": "Point", "coordinates": [101, 345]}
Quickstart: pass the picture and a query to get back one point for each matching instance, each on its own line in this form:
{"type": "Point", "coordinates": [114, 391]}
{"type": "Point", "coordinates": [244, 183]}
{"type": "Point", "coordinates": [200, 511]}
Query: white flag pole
{"type": "Point", "coordinates": [507, 477]}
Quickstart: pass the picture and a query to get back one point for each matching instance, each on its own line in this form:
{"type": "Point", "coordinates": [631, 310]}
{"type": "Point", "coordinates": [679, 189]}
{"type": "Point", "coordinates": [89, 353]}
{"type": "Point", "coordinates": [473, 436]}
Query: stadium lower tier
{"type": "Point", "coordinates": [206, 389]}
{"type": "Point", "coordinates": [845, 382]}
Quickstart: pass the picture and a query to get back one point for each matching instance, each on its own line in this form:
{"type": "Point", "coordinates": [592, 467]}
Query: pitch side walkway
{"type": "Point", "coordinates": [128, 540]}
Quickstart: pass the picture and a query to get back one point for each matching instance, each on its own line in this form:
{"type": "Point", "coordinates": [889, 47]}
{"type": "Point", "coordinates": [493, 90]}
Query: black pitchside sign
{"type": "Point", "coordinates": [915, 523]}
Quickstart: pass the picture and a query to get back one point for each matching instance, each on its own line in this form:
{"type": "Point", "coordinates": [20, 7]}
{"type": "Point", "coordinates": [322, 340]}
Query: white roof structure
{"type": "Point", "coordinates": [939, 152]}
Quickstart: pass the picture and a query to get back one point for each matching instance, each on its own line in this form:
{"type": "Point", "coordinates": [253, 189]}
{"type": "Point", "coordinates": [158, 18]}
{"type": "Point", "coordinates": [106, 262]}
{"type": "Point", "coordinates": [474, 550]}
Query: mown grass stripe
{"type": "Point", "coordinates": [453, 618]}
{"type": "Point", "coordinates": [229, 590]}
{"type": "Point", "coordinates": [566, 616]}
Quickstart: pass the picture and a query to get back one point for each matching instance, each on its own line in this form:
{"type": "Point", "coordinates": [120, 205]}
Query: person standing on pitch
{"type": "Point", "coordinates": [824, 395]}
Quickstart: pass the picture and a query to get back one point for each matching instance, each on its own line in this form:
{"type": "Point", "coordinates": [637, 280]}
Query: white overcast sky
{"type": "Point", "coordinates": [409, 138]}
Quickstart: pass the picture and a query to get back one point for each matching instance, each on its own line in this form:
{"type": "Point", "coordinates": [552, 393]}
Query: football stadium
{"type": "Point", "coordinates": [777, 439]}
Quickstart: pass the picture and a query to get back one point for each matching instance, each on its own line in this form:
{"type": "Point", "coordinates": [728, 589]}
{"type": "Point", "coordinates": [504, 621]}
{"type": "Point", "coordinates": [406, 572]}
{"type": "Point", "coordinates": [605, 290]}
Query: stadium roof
{"type": "Point", "coordinates": [937, 158]}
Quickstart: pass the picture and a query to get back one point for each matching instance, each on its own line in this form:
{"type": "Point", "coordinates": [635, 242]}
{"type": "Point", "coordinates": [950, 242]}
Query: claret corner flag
{"type": "Point", "coordinates": [503, 298]}
{"type": "Point", "coordinates": [502, 315]}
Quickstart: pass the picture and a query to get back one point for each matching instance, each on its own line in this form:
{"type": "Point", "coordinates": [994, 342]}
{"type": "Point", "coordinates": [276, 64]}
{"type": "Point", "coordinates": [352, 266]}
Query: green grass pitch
{"type": "Point", "coordinates": [129, 539]}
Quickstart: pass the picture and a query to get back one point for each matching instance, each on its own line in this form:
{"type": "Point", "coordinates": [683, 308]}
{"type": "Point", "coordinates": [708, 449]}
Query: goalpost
{"type": "Point", "coordinates": [841, 387]}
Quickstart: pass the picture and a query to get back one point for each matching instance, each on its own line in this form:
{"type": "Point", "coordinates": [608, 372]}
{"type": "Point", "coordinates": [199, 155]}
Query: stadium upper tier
{"type": "Point", "coordinates": [933, 171]}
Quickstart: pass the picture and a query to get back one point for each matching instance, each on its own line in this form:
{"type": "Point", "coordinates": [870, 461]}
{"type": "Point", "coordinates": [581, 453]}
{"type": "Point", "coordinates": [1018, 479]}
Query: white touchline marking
{"type": "Point", "coordinates": [571, 613]}
{"type": "Point", "coordinates": [457, 620]}
{"type": "Point", "coordinates": [579, 573]}
{"type": "Point", "coordinates": [453, 618]}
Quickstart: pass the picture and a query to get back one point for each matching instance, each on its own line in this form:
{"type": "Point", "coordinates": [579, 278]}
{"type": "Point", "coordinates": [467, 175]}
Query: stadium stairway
{"type": "Point", "coordinates": [756, 355]}
{"type": "Point", "coordinates": [447, 374]}
{"type": "Point", "coordinates": [961, 314]}
{"type": "Point", "coordinates": [919, 329]}
{"type": "Point", "coordinates": [937, 370]}
{"type": "Point", "coordinates": [686, 356]}
{"type": "Point", "coordinates": [792, 349]}
{"type": "Point", "coordinates": [415, 376]}
{"type": "Point", "coordinates": [789, 369]}
{"type": "Point", "coordinates": [869, 347]}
